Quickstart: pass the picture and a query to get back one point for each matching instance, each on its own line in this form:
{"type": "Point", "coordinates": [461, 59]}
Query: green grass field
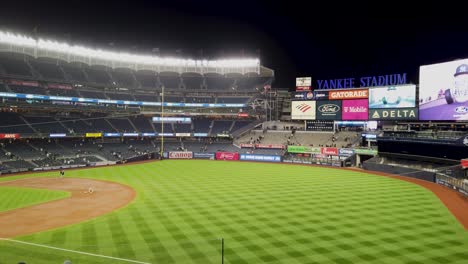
{"type": "Point", "coordinates": [267, 213]}
{"type": "Point", "coordinates": [12, 198]}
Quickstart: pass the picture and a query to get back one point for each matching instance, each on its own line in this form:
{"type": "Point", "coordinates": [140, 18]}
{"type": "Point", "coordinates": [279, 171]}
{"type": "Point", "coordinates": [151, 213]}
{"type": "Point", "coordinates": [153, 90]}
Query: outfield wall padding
{"type": "Point", "coordinates": [407, 172]}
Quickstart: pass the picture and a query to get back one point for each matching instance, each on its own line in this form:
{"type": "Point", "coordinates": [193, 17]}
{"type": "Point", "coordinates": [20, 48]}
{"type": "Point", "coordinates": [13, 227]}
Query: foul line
{"type": "Point", "coordinates": [73, 251]}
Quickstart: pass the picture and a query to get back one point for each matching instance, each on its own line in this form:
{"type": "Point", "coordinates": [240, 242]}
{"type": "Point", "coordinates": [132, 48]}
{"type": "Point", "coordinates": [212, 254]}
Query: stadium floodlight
{"type": "Point", "coordinates": [99, 54]}
{"type": "Point", "coordinates": [14, 39]}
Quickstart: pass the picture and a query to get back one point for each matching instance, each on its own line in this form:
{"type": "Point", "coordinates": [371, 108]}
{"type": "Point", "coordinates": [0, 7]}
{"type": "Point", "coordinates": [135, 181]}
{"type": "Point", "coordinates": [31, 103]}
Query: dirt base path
{"type": "Point", "coordinates": [456, 202]}
{"type": "Point", "coordinates": [80, 206]}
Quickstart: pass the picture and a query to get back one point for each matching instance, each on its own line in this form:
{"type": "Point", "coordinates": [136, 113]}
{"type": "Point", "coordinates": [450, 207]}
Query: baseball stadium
{"type": "Point", "coordinates": [113, 156]}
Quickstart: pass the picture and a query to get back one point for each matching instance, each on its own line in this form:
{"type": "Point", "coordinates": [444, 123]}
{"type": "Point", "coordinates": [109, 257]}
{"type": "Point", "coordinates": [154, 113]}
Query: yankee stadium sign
{"type": "Point", "coordinates": [381, 80]}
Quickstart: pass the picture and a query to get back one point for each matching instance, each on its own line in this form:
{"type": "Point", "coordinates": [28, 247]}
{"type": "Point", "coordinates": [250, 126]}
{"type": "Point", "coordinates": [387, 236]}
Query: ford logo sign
{"type": "Point", "coordinates": [461, 109]}
{"type": "Point", "coordinates": [329, 108]}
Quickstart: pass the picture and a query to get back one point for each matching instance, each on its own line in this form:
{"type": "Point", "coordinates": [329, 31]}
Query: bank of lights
{"type": "Point", "coordinates": [98, 54]}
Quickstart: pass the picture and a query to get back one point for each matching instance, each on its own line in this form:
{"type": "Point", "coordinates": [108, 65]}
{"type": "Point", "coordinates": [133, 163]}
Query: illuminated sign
{"type": "Point", "coordinates": [302, 96]}
{"type": "Point", "coordinates": [443, 91]}
{"type": "Point", "coordinates": [111, 134]}
{"type": "Point", "coordinates": [9, 135]}
{"type": "Point", "coordinates": [349, 94]}
{"type": "Point", "coordinates": [355, 109]}
{"type": "Point", "coordinates": [381, 80]}
{"type": "Point", "coordinates": [394, 114]}
{"type": "Point", "coordinates": [303, 110]}
{"type": "Point", "coordinates": [158, 119]}
{"type": "Point", "coordinates": [402, 96]}
{"type": "Point", "coordinates": [130, 134]}
{"type": "Point", "coordinates": [93, 134]}
{"type": "Point", "coordinates": [57, 135]}
{"type": "Point", "coordinates": [328, 110]}
{"type": "Point", "coordinates": [303, 81]}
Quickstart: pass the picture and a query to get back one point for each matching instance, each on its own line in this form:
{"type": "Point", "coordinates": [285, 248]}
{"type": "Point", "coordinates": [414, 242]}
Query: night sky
{"type": "Point", "coordinates": [322, 40]}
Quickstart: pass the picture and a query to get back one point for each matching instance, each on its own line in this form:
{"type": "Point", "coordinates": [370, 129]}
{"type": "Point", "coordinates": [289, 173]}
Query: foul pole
{"type": "Point", "coordinates": [162, 122]}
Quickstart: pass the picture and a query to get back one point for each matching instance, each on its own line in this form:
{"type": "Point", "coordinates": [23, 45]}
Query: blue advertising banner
{"type": "Point", "coordinates": [111, 134]}
{"type": "Point", "coordinates": [106, 101]}
{"type": "Point", "coordinates": [259, 157]}
{"type": "Point", "coordinates": [202, 155]}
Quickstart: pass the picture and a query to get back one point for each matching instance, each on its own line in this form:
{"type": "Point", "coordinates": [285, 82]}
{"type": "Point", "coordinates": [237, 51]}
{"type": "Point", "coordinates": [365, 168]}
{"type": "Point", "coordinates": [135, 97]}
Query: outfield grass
{"type": "Point", "coordinates": [13, 198]}
{"type": "Point", "coordinates": [267, 213]}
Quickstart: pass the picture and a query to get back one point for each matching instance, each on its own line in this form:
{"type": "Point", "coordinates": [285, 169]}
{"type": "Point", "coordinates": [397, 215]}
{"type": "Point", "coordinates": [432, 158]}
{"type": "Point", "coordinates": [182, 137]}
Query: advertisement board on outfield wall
{"type": "Point", "coordinates": [258, 157]}
{"type": "Point", "coordinates": [180, 155]}
{"type": "Point", "coordinates": [303, 110]}
{"type": "Point", "coordinates": [394, 114]}
{"type": "Point", "coordinates": [372, 152]}
{"type": "Point", "coordinates": [348, 94]}
{"type": "Point", "coordinates": [227, 156]}
{"type": "Point", "coordinates": [443, 91]}
{"type": "Point", "coordinates": [203, 155]}
{"type": "Point", "coordinates": [328, 110]}
{"type": "Point", "coordinates": [345, 152]}
{"type": "Point", "coordinates": [329, 151]}
{"type": "Point", "coordinates": [355, 109]}
{"type": "Point", "coordinates": [9, 135]}
{"type": "Point", "coordinates": [304, 149]}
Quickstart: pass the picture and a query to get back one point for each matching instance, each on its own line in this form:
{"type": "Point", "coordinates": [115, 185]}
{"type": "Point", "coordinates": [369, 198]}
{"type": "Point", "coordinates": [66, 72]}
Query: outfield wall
{"type": "Point", "coordinates": [401, 171]}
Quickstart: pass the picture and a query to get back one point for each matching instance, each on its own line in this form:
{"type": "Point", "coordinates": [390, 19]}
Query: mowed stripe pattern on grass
{"type": "Point", "coordinates": [267, 213]}
{"type": "Point", "coordinates": [13, 198]}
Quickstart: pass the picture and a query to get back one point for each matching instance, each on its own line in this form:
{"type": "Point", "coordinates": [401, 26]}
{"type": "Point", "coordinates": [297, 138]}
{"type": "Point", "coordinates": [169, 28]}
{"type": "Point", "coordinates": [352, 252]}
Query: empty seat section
{"type": "Point", "coordinates": [147, 79]}
{"type": "Point", "coordinates": [240, 124]}
{"type": "Point", "coordinates": [124, 78]}
{"type": "Point", "coordinates": [101, 125]}
{"type": "Point", "coordinates": [15, 66]}
{"type": "Point", "coordinates": [146, 98]}
{"type": "Point", "coordinates": [201, 125]}
{"type": "Point", "coordinates": [45, 124]}
{"type": "Point", "coordinates": [63, 92]}
{"type": "Point", "coordinates": [75, 73]}
{"type": "Point", "coordinates": [99, 76]}
{"type": "Point", "coordinates": [232, 100]}
{"type": "Point", "coordinates": [193, 82]}
{"type": "Point", "coordinates": [170, 82]}
{"type": "Point", "coordinates": [91, 94]}
{"type": "Point", "coordinates": [219, 83]}
{"type": "Point", "coordinates": [78, 126]}
{"type": "Point", "coordinates": [3, 88]}
{"type": "Point", "coordinates": [27, 89]}
{"type": "Point", "coordinates": [221, 127]}
{"type": "Point", "coordinates": [48, 70]}
{"type": "Point", "coordinates": [142, 123]}
{"type": "Point", "coordinates": [120, 96]}
{"type": "Point", "coordinates": [200, 100]}
{"type": "Point", "coordinates": [122, 125]}
{"type": "Point", "coordinates": [183, 128]}
{"type": "Point", "coordinates": [12, 123]}
{"type": "Point", "coordinates": [173, 99]}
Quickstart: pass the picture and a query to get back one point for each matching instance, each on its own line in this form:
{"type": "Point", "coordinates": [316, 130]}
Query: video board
{"type": "Point", "coordinates": [443, 91]}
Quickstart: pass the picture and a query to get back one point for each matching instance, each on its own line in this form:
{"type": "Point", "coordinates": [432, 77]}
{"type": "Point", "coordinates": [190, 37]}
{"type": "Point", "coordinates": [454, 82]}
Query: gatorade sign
{"type": "Point", "coordinates": [349, 94]}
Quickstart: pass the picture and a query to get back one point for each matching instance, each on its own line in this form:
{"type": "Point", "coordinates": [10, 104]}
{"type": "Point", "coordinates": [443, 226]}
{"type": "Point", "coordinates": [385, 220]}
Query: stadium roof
{"type": "Point", "coordinates": [38, 47]}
